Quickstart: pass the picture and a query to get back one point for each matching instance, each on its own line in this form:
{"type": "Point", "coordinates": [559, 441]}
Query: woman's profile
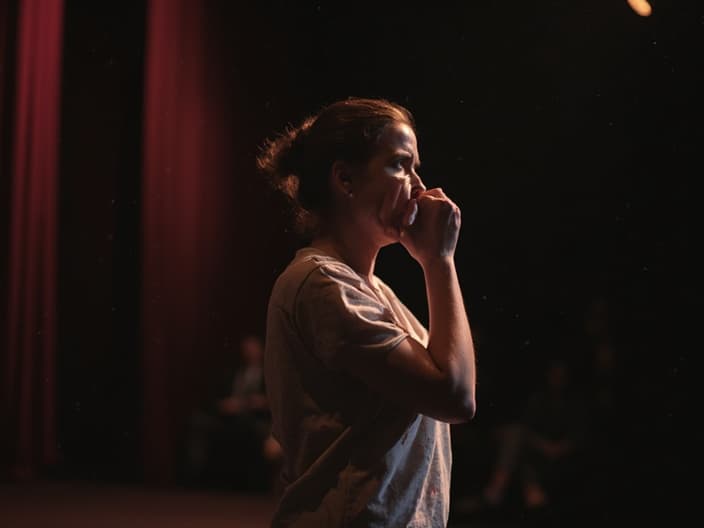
{"type": "Point", "coordinates": [361, 393]}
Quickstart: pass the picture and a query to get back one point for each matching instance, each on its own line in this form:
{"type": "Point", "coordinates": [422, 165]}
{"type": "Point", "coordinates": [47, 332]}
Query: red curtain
{"type": "Point", "coordinates": [184, 197]}
{"type": "Point", "coordinates": [28, 387]}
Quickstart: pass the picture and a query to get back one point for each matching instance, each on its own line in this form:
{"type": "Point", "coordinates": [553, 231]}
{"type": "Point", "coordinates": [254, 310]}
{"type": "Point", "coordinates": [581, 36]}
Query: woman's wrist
{"type": "Point", "coordinates": [440, 264]}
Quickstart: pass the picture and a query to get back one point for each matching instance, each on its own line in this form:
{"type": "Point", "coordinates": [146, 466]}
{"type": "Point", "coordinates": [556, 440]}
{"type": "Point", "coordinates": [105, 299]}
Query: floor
{"type": "Point", "coordinates": [62, 504]}
{"type": "Point", "coordinates": [84, 505]}
{"type": "Point", "coordinates": [81, 505]}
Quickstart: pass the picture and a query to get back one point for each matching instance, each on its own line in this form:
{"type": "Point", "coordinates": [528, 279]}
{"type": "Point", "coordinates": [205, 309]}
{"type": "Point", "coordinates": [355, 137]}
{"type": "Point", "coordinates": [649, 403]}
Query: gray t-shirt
{"type": "Point", "coordinates": [351, 458]}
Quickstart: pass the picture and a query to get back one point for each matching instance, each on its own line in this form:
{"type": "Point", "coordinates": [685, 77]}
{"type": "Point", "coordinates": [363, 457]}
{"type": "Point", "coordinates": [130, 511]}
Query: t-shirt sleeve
{"type": "Point", "coordinates": [341, 320]}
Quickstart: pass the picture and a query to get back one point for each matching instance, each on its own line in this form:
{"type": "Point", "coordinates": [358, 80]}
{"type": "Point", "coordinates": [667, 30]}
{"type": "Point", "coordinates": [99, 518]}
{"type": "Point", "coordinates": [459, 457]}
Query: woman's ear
{"type": "Point", "coordinates": [341, 179]}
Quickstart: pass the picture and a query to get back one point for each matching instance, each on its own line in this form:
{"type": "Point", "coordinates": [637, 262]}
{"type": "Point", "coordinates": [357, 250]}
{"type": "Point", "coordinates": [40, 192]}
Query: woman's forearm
{"type": "Point", "coordinates": [450, 344]}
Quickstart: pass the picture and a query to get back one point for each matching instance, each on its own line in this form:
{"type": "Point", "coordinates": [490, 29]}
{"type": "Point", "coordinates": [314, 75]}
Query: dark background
{"type": "Point", "coordinates": [568, 132]}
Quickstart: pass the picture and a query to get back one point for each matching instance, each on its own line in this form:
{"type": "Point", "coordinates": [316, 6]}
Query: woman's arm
{"type": "Point", "coordinates": [438, 381]}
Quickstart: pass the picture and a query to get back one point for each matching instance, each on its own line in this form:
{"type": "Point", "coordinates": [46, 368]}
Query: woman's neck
{"type": "Point", "coordinates": [349, 247]}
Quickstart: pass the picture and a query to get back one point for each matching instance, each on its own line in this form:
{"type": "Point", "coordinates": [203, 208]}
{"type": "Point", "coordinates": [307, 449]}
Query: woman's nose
{"type": "Point", "coordinates": [417, 185]}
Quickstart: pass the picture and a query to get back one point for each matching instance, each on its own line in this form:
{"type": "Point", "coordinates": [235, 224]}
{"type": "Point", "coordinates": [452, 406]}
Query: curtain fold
{"type": "Point", "coordinates": [28, 391]}
{"type": "Point", "coordinates": [185, 166]}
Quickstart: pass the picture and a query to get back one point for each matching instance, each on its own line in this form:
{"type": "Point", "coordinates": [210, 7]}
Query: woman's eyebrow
{"type": "Point", "coordinates": [402, 153]}
{"type": "Point", "coordinates": [406, 154]}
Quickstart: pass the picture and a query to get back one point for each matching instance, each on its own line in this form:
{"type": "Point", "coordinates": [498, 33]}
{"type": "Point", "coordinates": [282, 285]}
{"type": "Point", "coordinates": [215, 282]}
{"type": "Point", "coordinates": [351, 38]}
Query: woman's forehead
{"type": "Point", "coordinates": [399, 136]}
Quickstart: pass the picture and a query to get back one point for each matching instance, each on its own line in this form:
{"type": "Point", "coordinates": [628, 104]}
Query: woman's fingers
{"type": "Point", "coordinates": [435, 192]}
{"type": "Point", "coordinates": [411, 212]}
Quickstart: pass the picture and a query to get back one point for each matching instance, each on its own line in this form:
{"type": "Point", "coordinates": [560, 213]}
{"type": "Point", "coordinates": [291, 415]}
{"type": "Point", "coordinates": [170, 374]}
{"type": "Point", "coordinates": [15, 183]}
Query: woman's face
{"type": "Point", "coordinates": [388, 182]}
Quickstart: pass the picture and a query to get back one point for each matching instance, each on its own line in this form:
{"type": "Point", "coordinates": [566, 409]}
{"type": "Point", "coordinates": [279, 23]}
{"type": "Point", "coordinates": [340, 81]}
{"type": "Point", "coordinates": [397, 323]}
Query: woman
{"type": "Point", "coordinates": [361, 394]}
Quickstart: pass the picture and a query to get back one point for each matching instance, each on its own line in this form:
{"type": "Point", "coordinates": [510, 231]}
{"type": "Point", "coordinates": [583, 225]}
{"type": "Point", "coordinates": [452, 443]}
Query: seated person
{"type": "Point", "coordinates": [230, 442]}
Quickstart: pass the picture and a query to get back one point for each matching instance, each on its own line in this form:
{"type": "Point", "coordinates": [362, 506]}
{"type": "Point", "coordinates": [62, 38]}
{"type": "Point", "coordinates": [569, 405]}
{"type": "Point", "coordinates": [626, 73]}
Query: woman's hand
{"type": "Point", "coordinates": [431, 227]}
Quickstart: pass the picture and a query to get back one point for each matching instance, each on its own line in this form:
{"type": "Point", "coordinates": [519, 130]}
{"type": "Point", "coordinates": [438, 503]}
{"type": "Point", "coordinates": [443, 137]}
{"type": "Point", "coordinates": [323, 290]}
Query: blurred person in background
{"type": "Point", "coordinates": [230, 442]}
{"type": "Point", "coordinates": [540, 455]}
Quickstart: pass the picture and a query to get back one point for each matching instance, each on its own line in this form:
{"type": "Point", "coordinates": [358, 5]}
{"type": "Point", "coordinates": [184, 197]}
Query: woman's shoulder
{"type": "Point", "coordinates": [311, 268]}
{"type": "Point", "coordinates": [387, 290]}
{"type": "Point", "coordinates": [329, 268]}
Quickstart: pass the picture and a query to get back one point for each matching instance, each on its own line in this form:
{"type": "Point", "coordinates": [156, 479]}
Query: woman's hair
{"type": "Point", "coordinates": [297, 162]}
